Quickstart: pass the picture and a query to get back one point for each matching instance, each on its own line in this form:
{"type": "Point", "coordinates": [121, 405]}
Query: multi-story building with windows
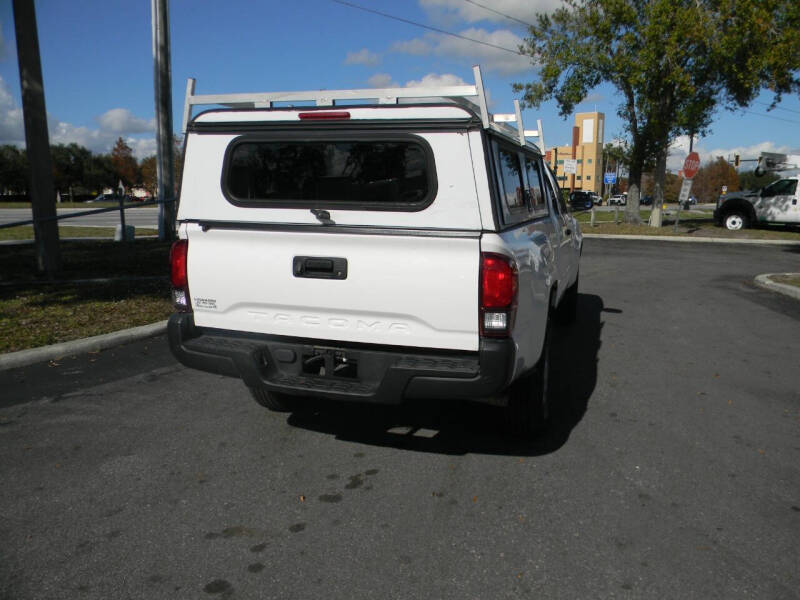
{"type": "Point", "coordinates": [588, 154]}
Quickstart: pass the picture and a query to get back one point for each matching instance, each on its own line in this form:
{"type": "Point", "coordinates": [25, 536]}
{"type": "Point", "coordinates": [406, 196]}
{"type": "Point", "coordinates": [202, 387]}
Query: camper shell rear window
{"type": "Point", "coordinates": [368, 172]}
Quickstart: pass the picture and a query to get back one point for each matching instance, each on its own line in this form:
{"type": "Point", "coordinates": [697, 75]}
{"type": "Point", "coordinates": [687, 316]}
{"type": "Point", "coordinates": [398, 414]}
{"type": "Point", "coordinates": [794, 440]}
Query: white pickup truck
{"type": "Point", "coordinates": [371, 252]}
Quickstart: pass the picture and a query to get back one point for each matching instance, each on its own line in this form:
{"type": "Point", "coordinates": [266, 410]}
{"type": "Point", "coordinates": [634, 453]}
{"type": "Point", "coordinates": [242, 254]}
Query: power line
{"type": "Point", "coordinates": [450, 33]}
{"type": "Point", "coordinates": [770, 117]}
{"type": "Point", "coordinates": [778, 107]}
{"type": "Point", "coordinates": [497, 12]}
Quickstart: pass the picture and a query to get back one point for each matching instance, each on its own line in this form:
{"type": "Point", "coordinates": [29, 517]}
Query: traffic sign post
{"type": "Point", "coordinates": [609, 178]}
{"type": "Point", "coordinates": [686, 188]}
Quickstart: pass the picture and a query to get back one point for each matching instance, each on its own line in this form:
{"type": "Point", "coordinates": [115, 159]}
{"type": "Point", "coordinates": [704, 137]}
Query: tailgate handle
{"type": "Point", "coordinates": [319, 267]}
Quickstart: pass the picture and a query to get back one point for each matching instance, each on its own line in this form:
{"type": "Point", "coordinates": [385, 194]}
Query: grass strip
{"type": "Point", "coordinates": [789, 279]}
{"type": "Point", "coordinates": [695, 226]}
{"type": "Point", "coordinates": [35, 313]}
{"type": "Point", "coordinates": [32, 316]}
{"type": "Point", "coordinates": [25, 232]}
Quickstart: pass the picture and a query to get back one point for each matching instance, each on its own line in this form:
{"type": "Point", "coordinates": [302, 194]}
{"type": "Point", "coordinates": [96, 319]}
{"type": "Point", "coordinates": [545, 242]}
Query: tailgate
{"type": "Point", "coordinates": [409, 289]}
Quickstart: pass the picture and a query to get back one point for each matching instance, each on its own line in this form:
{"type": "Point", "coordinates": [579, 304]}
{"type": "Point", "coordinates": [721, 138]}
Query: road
{"type": "Point", "coordinates": [671, 469]}
{"type": "Point", "coordinates": [146, 216]}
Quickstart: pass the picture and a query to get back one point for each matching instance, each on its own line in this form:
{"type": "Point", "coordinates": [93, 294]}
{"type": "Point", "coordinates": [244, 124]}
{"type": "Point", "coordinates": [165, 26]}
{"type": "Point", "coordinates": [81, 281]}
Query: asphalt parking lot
{"type": "Point", "coordinates": [670, 471]}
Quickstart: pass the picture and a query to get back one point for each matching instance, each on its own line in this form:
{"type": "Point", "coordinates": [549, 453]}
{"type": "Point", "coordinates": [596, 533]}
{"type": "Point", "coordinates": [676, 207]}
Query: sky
{"type": "Point", "coordinates": [97, 64]}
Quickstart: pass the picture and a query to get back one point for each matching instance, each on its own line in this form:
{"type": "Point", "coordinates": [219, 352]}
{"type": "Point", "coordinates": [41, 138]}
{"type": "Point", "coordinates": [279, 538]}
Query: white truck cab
{"type": "Point", "coordinates": [778, 202]}
{"type": "Point", "coordinates": [373, 252]}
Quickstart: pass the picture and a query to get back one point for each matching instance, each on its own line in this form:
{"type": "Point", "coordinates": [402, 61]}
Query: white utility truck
{"type": "Point", "coordinates": [778, 202]}
{"type": "Point", "coordinates": [411, 247]}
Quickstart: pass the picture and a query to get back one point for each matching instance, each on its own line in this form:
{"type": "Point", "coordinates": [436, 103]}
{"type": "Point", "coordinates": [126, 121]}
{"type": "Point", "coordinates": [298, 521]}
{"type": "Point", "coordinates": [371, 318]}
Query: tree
{"type": "Point", "coordinates": [669, 59]}
{"type": "Point", "coordinates": [672, 187]}
{"type": "Point", "coordinates": [148, 169]}
{"type": "Point", "coordinates": [13, 170]}
{"type": "Point", "coordinates": [124, 163]}
{"type": "Point", "coordinates": [178, 157]}
{"type": "Point", "coordinates": [707, 184]}
{"type": "Point", "coordinates": [98, 173]}
{"type": "Point", "coordinates": [69, 163]}
{"type": "Point", "coordinates": [748, 180]}
{"type": "Point", "coordinates": [615, 157]}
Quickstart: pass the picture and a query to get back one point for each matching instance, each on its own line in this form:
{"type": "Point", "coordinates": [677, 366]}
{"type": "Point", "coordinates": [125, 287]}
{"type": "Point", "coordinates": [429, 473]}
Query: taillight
{"type": "Point", "coordinates": [178, 255]}
{"type": "Point", "coordinates": [498, 294]}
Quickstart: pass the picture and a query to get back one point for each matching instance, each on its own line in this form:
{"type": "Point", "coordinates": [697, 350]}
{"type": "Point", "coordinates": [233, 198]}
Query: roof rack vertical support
{"type": "Point", "coordinates": [476, 70]}
{"type": "Point", "coordinates": [187, 104]}
{"type": "Point", "coordinates": [541, 135]}
{"type": "Point", "coordinates": [520, 127]}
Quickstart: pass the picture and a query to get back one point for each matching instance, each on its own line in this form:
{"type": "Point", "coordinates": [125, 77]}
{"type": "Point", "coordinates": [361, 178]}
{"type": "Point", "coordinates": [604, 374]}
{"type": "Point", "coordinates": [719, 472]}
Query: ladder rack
{"type": "Point", "coordinates": [471, 95]}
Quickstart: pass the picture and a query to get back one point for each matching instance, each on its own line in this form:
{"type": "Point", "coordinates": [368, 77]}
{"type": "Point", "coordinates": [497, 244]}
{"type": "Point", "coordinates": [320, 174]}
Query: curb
{"type": "Point", "coordinates": [764, 281]}
{"type": "Point", "coordinates": [675, 238]}
{"type": "Point", "coordinates": [23, 358]}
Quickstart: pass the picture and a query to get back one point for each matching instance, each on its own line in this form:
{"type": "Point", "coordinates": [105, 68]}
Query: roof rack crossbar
{"type": "Point", "coordinates": [472, 96]}
{"type": "Point", "coordinates": [330, 97]}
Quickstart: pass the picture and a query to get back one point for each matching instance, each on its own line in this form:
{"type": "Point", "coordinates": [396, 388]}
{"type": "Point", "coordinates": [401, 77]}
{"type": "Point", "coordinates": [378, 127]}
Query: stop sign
{"type": "Point", "coordinates": [691, 165]}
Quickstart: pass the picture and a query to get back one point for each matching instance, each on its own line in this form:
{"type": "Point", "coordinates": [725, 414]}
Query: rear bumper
{"type": "Point", "coordinates": [356, 372]}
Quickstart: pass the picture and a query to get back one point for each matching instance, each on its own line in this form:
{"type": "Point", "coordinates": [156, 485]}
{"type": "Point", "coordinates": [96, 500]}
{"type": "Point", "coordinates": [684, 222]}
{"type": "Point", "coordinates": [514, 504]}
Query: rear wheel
{"type": "Point", "coordinates": [528, 407]}
{"type": "Point", "coordinates": [736, 220]}
{"type": "Point", "coordinates": [273, 400]}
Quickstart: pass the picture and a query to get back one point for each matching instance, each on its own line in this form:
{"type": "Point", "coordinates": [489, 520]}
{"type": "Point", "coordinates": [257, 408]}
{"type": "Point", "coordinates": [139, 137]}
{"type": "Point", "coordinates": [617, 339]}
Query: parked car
{"type": "Point", "coordinates": [618, 199]}
{"type": "Point", "coordinates": [581, 200]}
{"type": "Point", "coordinates": [384, 252]}
{"type": "Point", "coordinates": [779, 202]}
{"type": "Point", "coordinates": [646, 200]}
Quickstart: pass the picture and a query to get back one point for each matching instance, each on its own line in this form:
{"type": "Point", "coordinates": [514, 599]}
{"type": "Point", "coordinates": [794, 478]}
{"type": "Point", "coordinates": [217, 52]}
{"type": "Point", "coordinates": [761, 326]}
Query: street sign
{"type": "Point", "coordinates": [609, 178]}
{"type": "Point", "coordinates": [691, 165]}
{"type": "Point", "coordinates": [570, 165]}
{"type": "Point", "coordinates": [686, 187]}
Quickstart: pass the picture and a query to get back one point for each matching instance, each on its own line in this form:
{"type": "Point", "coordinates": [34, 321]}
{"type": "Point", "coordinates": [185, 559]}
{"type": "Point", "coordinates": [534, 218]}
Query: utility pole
{"type": "Point", "coordinates": [37, 140]}
{"type": "Point", "coordinates": [165, 155]}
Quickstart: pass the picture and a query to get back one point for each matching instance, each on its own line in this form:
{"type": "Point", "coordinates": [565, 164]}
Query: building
{"type": "Point", "coordinates": [588, 154]}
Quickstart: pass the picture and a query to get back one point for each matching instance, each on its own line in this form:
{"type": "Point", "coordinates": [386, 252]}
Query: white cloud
{"type": "Point", "coordinates": [121, 120]}
{"type": "Point", "coordinates": [519, 10]}
{"type": "Point", "coordinates": [488, 57]}
{"type": "Point", "coordinates": [593, 98]}
{"type": "Point", "coordinates": [142, 147]}
{"type": "Point", "coordinates": [382, 80]}
{"type": "Point", "coordinates": [431, 80]}
{"type": "Point", "coordinates": [12, 130]}
{"type": "Point", "coordinates": [362, 57]}
{"type": "Point", "coordinates": [416, 47]}
{"type": "Point", "coordinates": [434, 80]}
{"type": "Point", "coordinates": [117, 122]}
